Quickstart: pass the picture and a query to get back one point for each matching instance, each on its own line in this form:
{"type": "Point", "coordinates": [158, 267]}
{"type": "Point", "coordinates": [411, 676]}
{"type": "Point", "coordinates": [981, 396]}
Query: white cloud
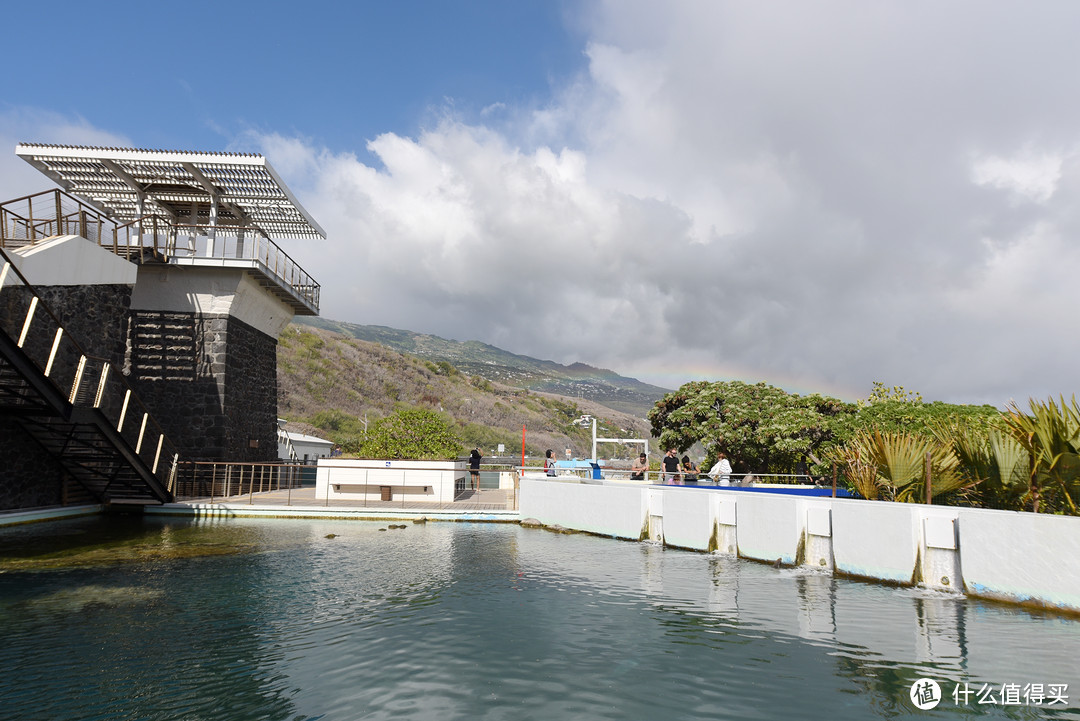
{"type": "Point", "coordinates": [1032, 176]}
{"type": "Point", "coordinates": [32, 125]}
{"type": "Point", "coordinates": [731, 190]}
{"type": "Point", "coordinates": [816, 195]}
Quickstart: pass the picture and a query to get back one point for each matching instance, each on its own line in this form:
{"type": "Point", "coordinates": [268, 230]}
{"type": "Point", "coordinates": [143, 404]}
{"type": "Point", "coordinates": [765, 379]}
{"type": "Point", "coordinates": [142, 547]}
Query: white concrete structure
{"type": "Point", "coordinates": [374, 480]}
{"type": "Point", "coordinates": [1010, 556]}
{"type": "Point", "coordinates": [211, 291]}
{"type": "Point", "coordinates": [71, 260]}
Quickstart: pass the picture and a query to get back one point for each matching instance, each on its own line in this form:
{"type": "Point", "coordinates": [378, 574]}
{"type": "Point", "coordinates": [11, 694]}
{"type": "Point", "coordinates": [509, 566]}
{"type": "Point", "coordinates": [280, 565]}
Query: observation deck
{"type": "Point", "coordinates": [211, 210]}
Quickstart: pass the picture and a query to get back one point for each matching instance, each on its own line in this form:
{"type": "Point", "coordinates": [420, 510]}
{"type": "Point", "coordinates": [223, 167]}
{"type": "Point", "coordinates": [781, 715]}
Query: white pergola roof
{"type": "Point", "coordinates": [188, 188]}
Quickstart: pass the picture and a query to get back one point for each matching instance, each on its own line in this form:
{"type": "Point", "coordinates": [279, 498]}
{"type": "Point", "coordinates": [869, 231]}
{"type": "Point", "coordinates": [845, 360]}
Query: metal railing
{"type": "Point", "coordinates": [51, 213]}
{"type": "Point", "coordinates": [220, 480]}
{"type": "Point", "coordinates": [223, 243]}
{"type": "Point", "coordinates": [84, 380]}
{"type": "Point", "coordinates": [659, 477]}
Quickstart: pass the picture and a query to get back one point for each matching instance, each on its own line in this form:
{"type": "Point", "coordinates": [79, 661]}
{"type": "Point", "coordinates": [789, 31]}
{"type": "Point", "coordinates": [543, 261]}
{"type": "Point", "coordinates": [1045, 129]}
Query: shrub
{"type": "Point", "coordinates": [411, 433]}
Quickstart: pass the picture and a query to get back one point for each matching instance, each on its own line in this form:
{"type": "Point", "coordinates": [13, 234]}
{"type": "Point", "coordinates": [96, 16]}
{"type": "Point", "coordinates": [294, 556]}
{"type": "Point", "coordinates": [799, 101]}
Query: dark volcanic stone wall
{"type": "Point", "coordinates": [30, 477]}
{"type": "Point", "coordinates": [251, 393]}
{"type": "Point", "coordinates": [96, 316]}
{"type": "Point", "coordinates": [210, 381]}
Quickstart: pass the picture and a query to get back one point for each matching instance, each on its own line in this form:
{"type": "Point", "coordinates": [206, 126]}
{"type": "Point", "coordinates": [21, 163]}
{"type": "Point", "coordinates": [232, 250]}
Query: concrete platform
{"type": "Point", "coordinates": [469, 505]}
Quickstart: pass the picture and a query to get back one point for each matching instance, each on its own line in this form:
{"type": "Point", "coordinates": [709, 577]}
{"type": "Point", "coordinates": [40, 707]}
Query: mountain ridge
{"type": "Point", "coordinates": [577, 380]}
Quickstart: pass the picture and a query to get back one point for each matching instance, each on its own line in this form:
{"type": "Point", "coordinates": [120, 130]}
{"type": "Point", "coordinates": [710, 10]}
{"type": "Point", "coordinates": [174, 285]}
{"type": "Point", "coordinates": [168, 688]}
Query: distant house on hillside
{"type": "Point", "coordinates": [301, 448]}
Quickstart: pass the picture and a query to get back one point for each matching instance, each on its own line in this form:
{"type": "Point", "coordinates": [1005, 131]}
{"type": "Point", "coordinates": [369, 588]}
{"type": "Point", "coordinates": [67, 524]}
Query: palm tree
{"type": "Point", "coordinates": [1051, 437]}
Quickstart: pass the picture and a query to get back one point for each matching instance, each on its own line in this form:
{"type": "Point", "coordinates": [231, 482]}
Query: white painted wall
{"type": "Point", "coordinates": [1017, 557]}
{"type": "Point", "coordinates": [72, 260]}
{"type": "Point", "coordinates": [210, 291]}
{"type": "Point", "coordinates": [1021, 556]}
{"type": "Point", "coordinates": [341, 478]}
{"type": "Point", "coordinates": [618, 511]}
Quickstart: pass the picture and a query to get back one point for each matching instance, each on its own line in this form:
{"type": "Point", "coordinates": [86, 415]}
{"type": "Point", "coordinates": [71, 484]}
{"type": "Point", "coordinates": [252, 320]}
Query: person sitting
{"type": "Point", "coordinates": [639, 468]}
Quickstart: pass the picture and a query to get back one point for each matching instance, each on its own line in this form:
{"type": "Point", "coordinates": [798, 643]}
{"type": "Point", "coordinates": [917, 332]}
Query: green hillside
{"type": "Point", "coordinates": [581, 381]}
{"type": "Point", "coordinates": [330, 383]}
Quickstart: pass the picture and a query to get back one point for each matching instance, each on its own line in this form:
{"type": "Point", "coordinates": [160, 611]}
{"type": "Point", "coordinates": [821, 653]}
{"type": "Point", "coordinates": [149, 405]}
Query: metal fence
{"type": "Point", "coordinates": [219, 481]}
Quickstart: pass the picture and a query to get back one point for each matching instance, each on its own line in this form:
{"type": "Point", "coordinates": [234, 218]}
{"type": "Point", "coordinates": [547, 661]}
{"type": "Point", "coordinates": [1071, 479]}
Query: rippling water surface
{"type": "Point", "coordinates": [250, 619]}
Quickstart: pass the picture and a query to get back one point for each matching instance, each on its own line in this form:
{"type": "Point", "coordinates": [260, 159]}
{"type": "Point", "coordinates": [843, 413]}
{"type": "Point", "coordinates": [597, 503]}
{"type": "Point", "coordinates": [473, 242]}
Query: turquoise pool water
{"type": "Point", "coordinates": [259, 619]}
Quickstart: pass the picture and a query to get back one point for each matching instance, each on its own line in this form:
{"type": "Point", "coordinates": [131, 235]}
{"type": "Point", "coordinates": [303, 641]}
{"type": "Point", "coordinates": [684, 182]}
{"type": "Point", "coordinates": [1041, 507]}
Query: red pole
{"type": "Point", "coordinates": [523, 449]}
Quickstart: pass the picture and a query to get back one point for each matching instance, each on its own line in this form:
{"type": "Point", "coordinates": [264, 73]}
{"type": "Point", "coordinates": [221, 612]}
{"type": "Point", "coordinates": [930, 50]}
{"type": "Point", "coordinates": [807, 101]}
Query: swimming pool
{"type": "Point", "coordinates": [162, 618]}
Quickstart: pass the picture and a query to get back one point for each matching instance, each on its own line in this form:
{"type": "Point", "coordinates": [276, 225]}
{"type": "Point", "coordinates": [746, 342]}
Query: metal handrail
{"type": "Point", "coordinates": [222, 242]}
{"type": "Point", "coordinates": [227, 479]}
{"type": "Point", "coordinates": [24, 220]}
{"type": "Point", "coordinates": [659, 477]}
{"type": "Point", "coordinates": [85, 380]}
{"type": "Point", "coordinates": [50, 213]}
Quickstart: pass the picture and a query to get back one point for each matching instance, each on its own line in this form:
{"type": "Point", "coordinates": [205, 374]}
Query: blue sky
{"type": "Point", "coordinates": [817, 195]}
{"type": "Point", "coordinates": [339, 74]}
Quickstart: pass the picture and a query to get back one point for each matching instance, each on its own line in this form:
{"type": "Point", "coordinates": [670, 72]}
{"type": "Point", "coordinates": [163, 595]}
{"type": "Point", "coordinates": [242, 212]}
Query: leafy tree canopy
{"type": "Point", "coordinates": [761, 428]}
{"type": "Point", "coordinates": [411, 433]}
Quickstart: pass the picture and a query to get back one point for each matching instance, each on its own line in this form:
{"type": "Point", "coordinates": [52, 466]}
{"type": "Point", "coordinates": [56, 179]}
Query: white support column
{"type": "Point", "coordinates": [213, 226]}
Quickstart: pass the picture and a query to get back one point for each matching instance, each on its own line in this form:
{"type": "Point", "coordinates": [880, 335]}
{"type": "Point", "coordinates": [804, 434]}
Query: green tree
{"type": "Point", "coordinates": [763, 429]}
{"type": "Point", "coordinates": [411, 433]}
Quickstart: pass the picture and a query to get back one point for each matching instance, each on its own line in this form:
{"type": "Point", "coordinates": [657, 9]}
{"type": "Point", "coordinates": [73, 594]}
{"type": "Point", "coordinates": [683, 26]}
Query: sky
{"type": "Point", "coordinates": [814, 195]}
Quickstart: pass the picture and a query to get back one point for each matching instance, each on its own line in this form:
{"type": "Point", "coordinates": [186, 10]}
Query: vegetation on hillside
{"type": "Point", "coordinates": [340, 387]}
{"type": "Point", "coordinates": [891, 445]}
{"type": "Point", "coordinates": [578, 380]}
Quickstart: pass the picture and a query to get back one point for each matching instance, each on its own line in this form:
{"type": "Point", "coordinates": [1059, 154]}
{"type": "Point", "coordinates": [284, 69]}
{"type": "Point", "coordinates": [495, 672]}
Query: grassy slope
{"type": "Point", "coordinates": [576, 381]}
{"type": "Point", "coordinates": [326, 381]}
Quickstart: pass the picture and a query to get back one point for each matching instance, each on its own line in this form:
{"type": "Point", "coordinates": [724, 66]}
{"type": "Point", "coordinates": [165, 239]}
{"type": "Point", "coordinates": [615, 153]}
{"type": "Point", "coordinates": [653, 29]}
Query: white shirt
{"type": "Point", "coordinates": [722, 466]}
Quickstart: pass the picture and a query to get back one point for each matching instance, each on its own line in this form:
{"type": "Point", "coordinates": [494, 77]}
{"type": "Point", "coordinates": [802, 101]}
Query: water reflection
{"type": "Point", "coordinates": [334, 620]}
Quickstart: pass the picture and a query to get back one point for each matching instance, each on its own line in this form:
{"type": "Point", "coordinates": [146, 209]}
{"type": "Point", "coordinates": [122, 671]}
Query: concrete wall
{"type": "Point", "coordinates": [619, 511]}
{"type": "Point", "coordinates": [71, 260]}
{"type": "Point", "coordinates": [362, 480]}
{"type": "Point", "coordinates": [210, 292]}
{"type": "Point", "coordinates": [1016, 557]}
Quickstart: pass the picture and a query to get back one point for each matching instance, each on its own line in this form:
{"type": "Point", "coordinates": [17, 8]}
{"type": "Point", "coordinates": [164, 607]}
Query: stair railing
{"type": "Point", "coordinates": [81, 379]}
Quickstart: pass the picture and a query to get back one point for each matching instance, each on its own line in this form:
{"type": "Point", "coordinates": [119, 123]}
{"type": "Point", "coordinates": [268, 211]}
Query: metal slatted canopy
{"type": "Point", "coordinates": [183, 187]}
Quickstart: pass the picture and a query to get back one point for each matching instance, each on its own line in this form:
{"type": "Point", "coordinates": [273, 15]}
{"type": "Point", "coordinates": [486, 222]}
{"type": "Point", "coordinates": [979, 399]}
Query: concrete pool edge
{"type": "Point", "coordinates": [1026, 559]}
{"type": "Point", "coordinates": [244, 510]}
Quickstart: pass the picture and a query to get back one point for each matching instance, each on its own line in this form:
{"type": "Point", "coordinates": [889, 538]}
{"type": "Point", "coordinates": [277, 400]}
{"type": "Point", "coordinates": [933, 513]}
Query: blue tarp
{"type": "Point", "coordinates": [795, 491]}
{"type": "Point", "coordinates": [576, 464]}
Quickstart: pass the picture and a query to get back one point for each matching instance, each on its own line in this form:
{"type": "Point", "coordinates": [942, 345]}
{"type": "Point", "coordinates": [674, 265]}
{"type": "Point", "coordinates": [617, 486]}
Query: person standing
{"type": "Point", "coordinates": [474, 467]}
{"type": "Point", "coordinates": [689, 469]}
{"type": "Point", "coordinates": [721, 470]}
{"type": "Point", "coordinates": [549, 462]}
{"type": "Point", "coordinates": [671, 468]}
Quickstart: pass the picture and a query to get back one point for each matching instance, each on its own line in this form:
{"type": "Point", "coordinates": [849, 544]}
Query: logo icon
{"type": "Point", "coordinates": [925, 694]}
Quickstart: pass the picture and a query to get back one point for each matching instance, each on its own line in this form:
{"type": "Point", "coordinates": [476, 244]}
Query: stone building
{"type": "Point", "coordinates": [163, 265]}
